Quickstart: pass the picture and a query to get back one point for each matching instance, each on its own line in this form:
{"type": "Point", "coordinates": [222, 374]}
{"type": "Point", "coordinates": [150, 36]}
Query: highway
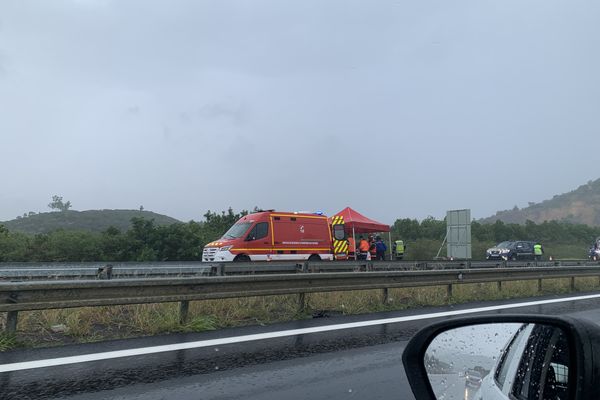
{"type": "Point", "coordinates": [335, 361]}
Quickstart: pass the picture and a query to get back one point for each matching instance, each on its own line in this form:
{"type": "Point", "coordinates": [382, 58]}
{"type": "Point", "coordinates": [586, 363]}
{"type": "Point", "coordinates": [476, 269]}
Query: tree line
{"type": "Point", "coordinates": [546, 232]}
{"type": "Point", "coordinates": [143, 241]}
{"type": "Point", "coordinates": [147, 241]}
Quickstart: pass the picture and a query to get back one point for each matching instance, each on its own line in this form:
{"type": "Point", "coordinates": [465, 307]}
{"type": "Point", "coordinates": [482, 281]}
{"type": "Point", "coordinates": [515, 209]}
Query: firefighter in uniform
{"type": "Point", "coordinates": [372, 248]}
{"type": "Point", "coordinates": [351, 248]}
{"type": "Point", "coordinates": [381, 248]}
{"type": "Point", "coordinates": [363, 249]}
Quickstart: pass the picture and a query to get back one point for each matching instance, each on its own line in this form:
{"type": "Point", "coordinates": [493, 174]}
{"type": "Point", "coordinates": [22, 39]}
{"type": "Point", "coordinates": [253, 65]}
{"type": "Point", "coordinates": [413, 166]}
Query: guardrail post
{"type": "Point", "coordinates": [184, 308]}
{"type": "Point", "coordinates": [573, 283]}
{"type": "Point", "coordinates": [449, 291]}
{"type": "Point", "coordinates": [385, 295]}
{"type": "Point", "coordinates": [540, 285]}
{"type": "Point", "coordinates": [301, 302]}
{"type": "Point", "coordinates": [221, 269]}
{"type": "Point", "coordinates": [12, 317]}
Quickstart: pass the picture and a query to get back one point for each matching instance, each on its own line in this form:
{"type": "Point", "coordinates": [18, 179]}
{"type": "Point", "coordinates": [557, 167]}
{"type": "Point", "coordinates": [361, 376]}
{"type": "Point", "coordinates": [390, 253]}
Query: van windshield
{"type": "Point", "coordinates": [237, 230]}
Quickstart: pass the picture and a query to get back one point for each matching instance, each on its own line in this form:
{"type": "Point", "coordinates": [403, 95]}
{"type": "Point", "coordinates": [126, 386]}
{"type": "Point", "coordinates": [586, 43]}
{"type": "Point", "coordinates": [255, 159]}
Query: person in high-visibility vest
{"type": "Point", "coordinates": [351, 248]}
{"type": "Point", "coordinates": [363, 248]}
{"type": "Point", "coordinates": [398, 249]}
{"type": "Point", "coordinates": [538, 251]}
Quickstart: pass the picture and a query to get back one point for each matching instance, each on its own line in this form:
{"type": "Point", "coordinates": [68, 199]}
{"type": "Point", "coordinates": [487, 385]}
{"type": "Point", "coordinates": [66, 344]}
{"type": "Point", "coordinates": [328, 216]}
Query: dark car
{"type": "Point", "coordinates": [511, 250]}
{"type": "Point", "coordinates": [473, 379]}
{"type": "Point", "coordinates": [594, 251]}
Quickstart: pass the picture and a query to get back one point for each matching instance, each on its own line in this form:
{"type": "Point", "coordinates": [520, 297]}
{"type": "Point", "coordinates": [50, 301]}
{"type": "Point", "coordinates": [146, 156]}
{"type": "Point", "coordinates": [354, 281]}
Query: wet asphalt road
{"type": "Point", "coordinates": [350, 374]}
{"type": "Point", "coordinates": [357, 363]}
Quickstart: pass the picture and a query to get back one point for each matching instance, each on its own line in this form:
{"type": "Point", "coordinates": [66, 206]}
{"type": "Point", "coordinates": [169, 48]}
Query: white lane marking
{"type": "Point", "coordinates": [51, 362]}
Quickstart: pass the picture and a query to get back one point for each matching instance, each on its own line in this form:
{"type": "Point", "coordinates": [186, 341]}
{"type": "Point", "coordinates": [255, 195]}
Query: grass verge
{"type": "Point", "coordinates": [89, 324]}
{"type": "Point", "coordinates": [8, 342]}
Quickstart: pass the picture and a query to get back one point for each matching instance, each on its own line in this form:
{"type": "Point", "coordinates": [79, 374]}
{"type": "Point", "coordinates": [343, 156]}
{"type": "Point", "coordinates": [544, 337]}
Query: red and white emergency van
{"type": "Point", "coordinates": [280, 236]}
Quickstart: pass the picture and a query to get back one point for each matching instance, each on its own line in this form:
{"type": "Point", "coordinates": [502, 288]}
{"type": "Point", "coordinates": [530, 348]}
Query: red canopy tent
{"type": "Point", "coordinates": [358, 223]}
{"type": "Point", "coordinates": [355, 222]}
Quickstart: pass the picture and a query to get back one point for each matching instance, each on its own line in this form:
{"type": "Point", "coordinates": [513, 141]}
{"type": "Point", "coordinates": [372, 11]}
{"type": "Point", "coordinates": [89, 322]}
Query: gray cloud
{"type": "Point", "coordinates": [236, 114]}
{"type": "Point", "coordinates": [395, 108]}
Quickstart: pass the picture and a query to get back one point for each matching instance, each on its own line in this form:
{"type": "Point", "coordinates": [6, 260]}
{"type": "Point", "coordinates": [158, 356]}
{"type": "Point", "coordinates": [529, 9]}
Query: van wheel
{"type": "Point", "coordinates": [314, 257]}
{"type": "Point", "coordinates": [514, 257]}
{"type": "Point", "coordinates": [242, 258]}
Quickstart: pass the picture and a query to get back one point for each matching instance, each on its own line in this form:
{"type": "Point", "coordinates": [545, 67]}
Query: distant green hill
{"type": "Point", "coordinates": [581, 206]}
{"type": "Point", "coordinates": [90, 220]}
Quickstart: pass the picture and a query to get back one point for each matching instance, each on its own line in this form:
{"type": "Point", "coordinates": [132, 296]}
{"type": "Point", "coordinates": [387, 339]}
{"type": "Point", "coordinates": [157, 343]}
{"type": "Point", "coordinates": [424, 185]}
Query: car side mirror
{"type": "Point", "coordinates": [503, 356]}
{"type": "Point", "coordinates": [250, 238]}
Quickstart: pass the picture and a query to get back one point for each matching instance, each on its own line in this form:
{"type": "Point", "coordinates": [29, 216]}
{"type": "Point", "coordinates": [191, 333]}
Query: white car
{"type": "Point", "coordinates": [534, 364]}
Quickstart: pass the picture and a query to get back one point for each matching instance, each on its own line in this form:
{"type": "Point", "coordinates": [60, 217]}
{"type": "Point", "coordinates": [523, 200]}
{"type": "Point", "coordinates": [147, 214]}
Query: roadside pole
{"type": "Point", "coordinates": [390, 241]}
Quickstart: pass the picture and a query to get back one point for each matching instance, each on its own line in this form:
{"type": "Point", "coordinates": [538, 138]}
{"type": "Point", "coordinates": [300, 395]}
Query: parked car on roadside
{"type": "Point", "coordinates": [594, 254]}
{"type": "Point", "coordinates": [594, 251]}
{"type": "Point", "coordinates": [511, 250]}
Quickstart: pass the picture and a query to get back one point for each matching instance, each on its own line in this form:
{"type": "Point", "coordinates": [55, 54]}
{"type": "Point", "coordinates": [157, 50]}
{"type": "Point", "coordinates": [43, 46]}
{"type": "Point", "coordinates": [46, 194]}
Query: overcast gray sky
{"type": "Point", "coordinates": [396, 108]}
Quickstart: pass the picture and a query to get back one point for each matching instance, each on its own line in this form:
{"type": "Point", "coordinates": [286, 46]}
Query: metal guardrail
{"type": "Point", "coordinates": [39, 295]}
{"type": "Point", "coordinates": [98, 270]}
{"type": "Point", "coordinates": [120, 270]}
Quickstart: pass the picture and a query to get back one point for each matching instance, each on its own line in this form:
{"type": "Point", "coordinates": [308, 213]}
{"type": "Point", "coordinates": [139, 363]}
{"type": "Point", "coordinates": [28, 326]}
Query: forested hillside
{"type": "Point", "coordinates": [89, 221]}
{"type": "Point", "coordinates": [145, 240]}
{"type": "Point", "coordinates": [580, 206]}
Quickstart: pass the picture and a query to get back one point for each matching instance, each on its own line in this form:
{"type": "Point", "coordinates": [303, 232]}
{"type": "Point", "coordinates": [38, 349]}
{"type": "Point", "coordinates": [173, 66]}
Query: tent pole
{"type": "Point", "coordinates": [390, 237]}
{"type": "Point", "coordinates": [354, 239]}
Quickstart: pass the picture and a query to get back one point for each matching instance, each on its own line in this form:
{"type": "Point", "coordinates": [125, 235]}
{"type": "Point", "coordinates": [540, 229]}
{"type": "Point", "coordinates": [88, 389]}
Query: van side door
{"type": "Point", "coordinates": [259, 241]}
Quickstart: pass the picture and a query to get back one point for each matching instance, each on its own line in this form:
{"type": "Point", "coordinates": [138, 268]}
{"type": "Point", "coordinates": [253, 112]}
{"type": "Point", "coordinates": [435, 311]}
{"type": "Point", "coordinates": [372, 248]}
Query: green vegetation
{"type": "Point", "coordinates": [8, 342]}
{"type": "Point", "coordinates": [580, 206]}
{"type": "Point", "coordinates": [85, 221]}
{"type": "Point", "coordinates": [58, 204]}
{"type": "Point", "coordinates": [144, 239]}
{"type": "Point", "coordinates": [560, 239]}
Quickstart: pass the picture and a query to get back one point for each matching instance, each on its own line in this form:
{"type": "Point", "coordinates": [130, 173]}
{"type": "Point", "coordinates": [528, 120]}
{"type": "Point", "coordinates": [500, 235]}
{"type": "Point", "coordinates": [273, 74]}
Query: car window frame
{"type": "Point", "coordinates": [539, 355]}
{"type": "Point", "coordinates": [518, 340]}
